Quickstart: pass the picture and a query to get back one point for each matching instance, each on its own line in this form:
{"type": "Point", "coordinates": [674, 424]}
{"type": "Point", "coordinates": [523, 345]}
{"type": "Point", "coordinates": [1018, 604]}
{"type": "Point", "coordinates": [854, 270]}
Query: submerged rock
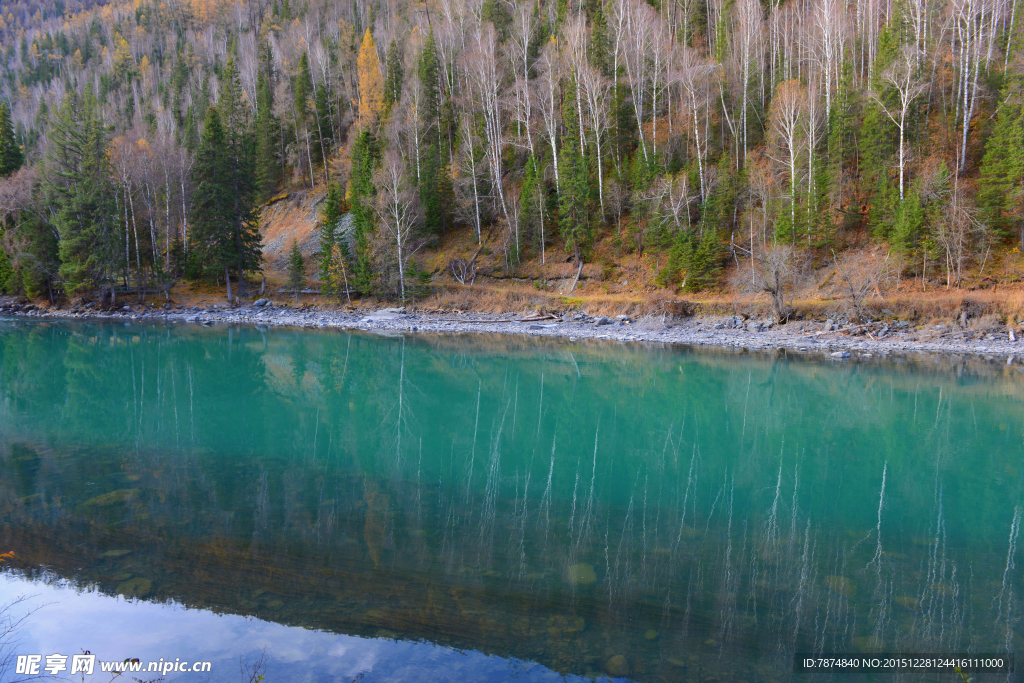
{"type": "Point", "coordinates": [617, 667]}
{"type": "Point", "coordinates": [582, 574]}
{"type": "Point", "coordinates": [118, 497]}
{"type": "Point", "coordinates": [841, 585]}
{"type": "Point", "coordinates": [908, 602]}
{"type": "Point", "coordinates": [135, 588]}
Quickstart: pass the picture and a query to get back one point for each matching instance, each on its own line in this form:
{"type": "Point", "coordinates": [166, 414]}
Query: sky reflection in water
{"type": "Point", "coordinates": [69, 620]}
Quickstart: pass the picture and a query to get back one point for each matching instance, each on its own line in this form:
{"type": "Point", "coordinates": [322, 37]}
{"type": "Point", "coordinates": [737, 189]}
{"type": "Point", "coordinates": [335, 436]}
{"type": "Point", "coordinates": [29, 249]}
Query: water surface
{"type": "Point", "coordinates": [543, 505]}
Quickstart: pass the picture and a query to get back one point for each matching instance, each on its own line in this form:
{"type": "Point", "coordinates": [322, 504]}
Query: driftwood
{"type": "Point", "coordinates": [459, 320]}
{"type": "Point", "coordinates": [507, 320]}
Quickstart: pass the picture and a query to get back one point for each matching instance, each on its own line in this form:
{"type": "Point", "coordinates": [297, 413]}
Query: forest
{"type": "Point", "coordinates": [140, 139]}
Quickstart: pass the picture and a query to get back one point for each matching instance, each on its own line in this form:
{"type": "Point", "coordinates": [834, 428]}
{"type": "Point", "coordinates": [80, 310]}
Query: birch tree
{"type": "Point", "coordinates": [397, 213]}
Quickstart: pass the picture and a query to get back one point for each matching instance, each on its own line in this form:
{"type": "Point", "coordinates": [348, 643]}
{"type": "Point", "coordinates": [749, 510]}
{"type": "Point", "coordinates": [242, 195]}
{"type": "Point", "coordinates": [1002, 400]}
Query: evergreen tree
{"type": "Point", "coordinates": [908, 223]}
{"type": "Point", "coordinates": [324, 134]}
{"type": "Point", "coordinates": [876, 159]}
{"type": "Point", "coordinates": [330, 217]}
{"type": "Point", "coordinates": [393, 80]}
{"type": "Point", "coordinates": [6, 270]}
{"type": "Point", "coordinates": [224, 222]}
{"type": "Point", "coordinates": [11, 156]}
{"type": "Point", "coordinates": [77, 186]}
{"type": "Point", "coordinates": [267, 129]}
{"type": "Point", "coordinates": [296, 269]}
{"type": "Point", "coordinates": [303, 89]}
{"type": "Point", "coordinates": [1001, 184]}
{"type": "Point", "coordinates": [574, 200]}
{"type": "Point", "coordinates": [240, 148]}
{"type": "Point", "coordinates": [436, 192]}
{"type": "Point", "coordinates": [365, 157]}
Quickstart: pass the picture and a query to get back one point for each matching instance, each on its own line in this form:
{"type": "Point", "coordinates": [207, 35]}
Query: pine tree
{"type": "Point", "coordinates": [324, 134]}
{"type": "Point", "coordinates": [435, 184]}
{"type": "Point", "coordinates": [330, 217]}
{"type": "Point", "coordinates": [77, 187]}
{"type": "Point", "coordinates": [267, 129]}
{"type": "Point", "coordinates": [240, 147]}
{"type": "Point", "coordinates": [296, 269]}
{"type": "Point", "coordinates": [908, 223]}
{"type": "Point", "coordinates": [11, 156]}
{"type": "Point", "coordinates": [876, 147]}
{"type": "Point", "coordinates": [574, 200]}
{"type": "Point", "coordinates": [211, 201]}
{"type": "Point", "coordinates": [6, 271]}
{"type": "Point", "coordinates": [393, 82]}
{"type": "Point", "coordinates": [365, 157]}
{"type": "Point", "coordinates": [1001, 184]}
{"type": "Point", "coordinates": [302, 88]}
{"type": "Point", "coordinates": [224, 221]}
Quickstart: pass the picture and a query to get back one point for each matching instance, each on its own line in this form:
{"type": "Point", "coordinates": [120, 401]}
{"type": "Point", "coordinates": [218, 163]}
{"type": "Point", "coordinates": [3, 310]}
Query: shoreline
{"type": "Point", "coordinates": [836, 341]}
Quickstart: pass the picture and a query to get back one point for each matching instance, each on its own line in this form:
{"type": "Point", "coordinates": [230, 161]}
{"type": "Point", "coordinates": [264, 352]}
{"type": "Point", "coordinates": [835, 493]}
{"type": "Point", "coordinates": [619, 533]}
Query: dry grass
{"type": "Point", "coordinates": [613, 283]}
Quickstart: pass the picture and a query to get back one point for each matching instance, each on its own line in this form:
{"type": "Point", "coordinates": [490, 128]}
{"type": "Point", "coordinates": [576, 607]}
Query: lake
{"type": "Point", "coordinates": [485, 508]}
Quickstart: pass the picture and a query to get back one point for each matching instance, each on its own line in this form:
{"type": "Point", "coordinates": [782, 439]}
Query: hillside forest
{"type": "Point", "coordinates": [139, 139]}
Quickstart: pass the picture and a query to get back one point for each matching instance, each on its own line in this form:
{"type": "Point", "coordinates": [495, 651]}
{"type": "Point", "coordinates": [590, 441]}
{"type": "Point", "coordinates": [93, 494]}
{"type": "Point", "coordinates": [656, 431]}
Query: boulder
{"type": "Point", "coordinates": [617, 666]}
{"type": "Point", "coordinates": [582, 574]}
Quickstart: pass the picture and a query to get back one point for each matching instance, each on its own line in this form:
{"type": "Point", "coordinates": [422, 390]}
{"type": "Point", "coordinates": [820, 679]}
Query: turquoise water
{"type": "Point", "coordinates": [555, 508]}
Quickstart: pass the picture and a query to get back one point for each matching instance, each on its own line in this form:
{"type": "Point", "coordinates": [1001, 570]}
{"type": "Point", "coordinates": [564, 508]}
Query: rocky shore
{"type": "Point", "coordinates": [835, 339]}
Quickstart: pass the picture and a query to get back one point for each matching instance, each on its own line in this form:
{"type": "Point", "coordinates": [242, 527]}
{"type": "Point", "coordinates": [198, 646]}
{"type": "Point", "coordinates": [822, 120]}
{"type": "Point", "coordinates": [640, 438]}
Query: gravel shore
{"type": "Point", "coordinates": [832, 339]}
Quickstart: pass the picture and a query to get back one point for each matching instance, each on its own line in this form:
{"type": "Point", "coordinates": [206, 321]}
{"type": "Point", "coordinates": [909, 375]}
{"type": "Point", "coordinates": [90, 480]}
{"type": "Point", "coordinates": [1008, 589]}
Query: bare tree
{"type": "Point", "coordinates": [638, 19]}
{"type": "Point", "coordinates": [969, 27]}
{"type": "Point", "coordinates": [12, 621]}
{"type": "Point", "coordinates": [748, 38]}
{"type": "Point", "coordinates": [574, 54]}
{"type": "Point", "coordinates": [902, 76]}
{"type": "Point", "coordinates": [520, 45]}
{"type": "Point", "coordinates": [548, 100]}
{"type": "Point", "coordinates": [596, 89]}
{"type": "Point", "coordinates": [694, 74]}
{"type": "Point", "coordinates": [860, 276]}
{"type": "Point", "coordinates": [776, 273]}
{"type": "Point", "coordinates": [470, 199]}
{"type": "Point", "coordinates": [397, 209]}
{"type": "Point", "coordinates": [485, 75]}
{"type": "Point", "coordinates": [960, 231]}
{"type": "Point", "coordinates": [827, 34]}
{"type": "Point", "coordinates": [786, 127]}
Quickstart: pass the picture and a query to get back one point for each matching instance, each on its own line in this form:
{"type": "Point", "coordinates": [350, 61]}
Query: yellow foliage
{"type": "Point", "coordinates": [337, 273]}
{"type": "Point", "coordinates": [371, 82]}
